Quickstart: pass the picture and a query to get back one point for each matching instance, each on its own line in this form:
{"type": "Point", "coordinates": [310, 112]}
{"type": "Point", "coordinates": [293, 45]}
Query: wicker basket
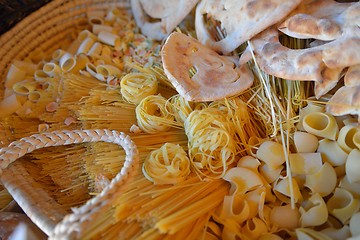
{"type": "Point", "coordinates": [45, 29]}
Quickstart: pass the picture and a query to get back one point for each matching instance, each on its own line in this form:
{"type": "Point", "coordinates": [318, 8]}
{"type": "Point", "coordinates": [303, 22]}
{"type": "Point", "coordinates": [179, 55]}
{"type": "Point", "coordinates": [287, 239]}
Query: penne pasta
{"type": "Point", "coordinates": [40, 76]}
{"type": "Point", "coordinates": [108, 70]}
{"type": "Point", "coordinates": [67, 62]}
{"type": "Point", "coordinates": [34, 96]}
{"type": "Point", "coordinates": [58, 54]}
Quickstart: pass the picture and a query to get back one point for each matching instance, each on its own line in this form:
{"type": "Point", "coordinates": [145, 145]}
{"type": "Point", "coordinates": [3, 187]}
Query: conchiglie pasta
{"type": "Point", "coordinates": [332, 152]}
{"type": "Point", "coordinates": [352, 166]}
{"type": "Point", "coordinates": [305, 142]}
{"type": "Point", "coordinates": [167, 165]}
{"type": "Point", "coordinates": [136, 86]}
{"type": "Point", "coordinates": [272, 153]}
{"type": "Point", "coordinates": [321, 125]}
{"type": "Point", "coordinates": [322, 182]}
{"type": "Point", "coordinates": [343, 205]}
{"type": "Point", "coordinates": [315, 212]}
{"type": "Point", "coordinates": [346, 138]}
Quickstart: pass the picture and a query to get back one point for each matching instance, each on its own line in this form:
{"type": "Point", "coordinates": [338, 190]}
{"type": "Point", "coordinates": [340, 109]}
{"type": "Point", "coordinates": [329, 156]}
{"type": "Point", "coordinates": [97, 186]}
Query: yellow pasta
{"type": "Point", "coordinates": [356, 139]}
{"type": "Point", "coordinates": [27, 66]}
{"type": "Point", "coordinates": [282, 190]}
{"type": "Point", "coordinates": [249, 162]}
{"type": "Point", "coordinates": [14, 75]}
{"type": "Point", "coordinates": [58, 54]}
{"type": "Point", "coordinates": [352, 166]}
{"type": "Point", "coordinates": [85, 45]}
{"type": "Point", "coordinates": [271, 153]}
{"type": "Point", "coordinates": [180, 107]}
{"type": "Point", "coordinates": [86, 34]}
{"type": "Point", "coordinates": [321, 125]}
{"type": "Point", "coordinates": [67, 62]}
{"type": "Point", "coordinates": [270, 174]}
{"type": "Point", "coordinates": [152, 116]}
{"type": "Point", "coordinates": [9, 105]}
{"type": "Point", "coordinates": [322, 182]}
{"type": "Point", "coordinates": [51, 69]}
{"type": "Point", "coordinates": [25, 87]}
{"type": "Point", "coordinates": [107, 70]}
{"type": "Point", "coordinates": [354, 188]}
{"type": "Point", "coordinates": [167, 165]}
{"type": "Point", "coordinates": [314, 213]}
{"type": "Point", "coordinates": [305, 163]}
{"type": "Point", "coordinates": [346, 138]}
{"type": "Point", "coordinates": [97, 28]}
{"type": "Point", "coordinates": [95, 16]}
{"type": "Point", "coordinates": [95, 49]}
{"type": "Point", "coordinates": [305, 142]}
{"type": "Point", "coordinates": [254, 228]}
{"type": "Point", "coordinates": [332, 152]}
{"type": "Point", "coordinates": [137, 86]}
{"type": "Point", "coordinates": [285, 217]}
{"type": "Point", "coordinates": [343, 205]}
{"type": "Point", "coordinates": [310, 108]}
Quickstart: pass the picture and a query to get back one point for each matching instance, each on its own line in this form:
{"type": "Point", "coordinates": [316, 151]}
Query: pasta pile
{"type": "Point", "coordinates": [261, 165]}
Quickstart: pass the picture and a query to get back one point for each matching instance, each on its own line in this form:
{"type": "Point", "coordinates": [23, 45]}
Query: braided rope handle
{"type": "Point", "coordinates": [81, 217]}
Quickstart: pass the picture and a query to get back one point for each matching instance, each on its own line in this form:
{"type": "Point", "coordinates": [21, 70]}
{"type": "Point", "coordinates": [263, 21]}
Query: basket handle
{"type": "Point", "coordinates": [75, 224]}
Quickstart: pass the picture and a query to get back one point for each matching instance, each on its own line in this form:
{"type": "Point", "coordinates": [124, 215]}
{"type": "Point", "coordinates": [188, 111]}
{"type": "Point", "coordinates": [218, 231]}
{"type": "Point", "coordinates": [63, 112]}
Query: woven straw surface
{"type": "Point", "coordinates": [42, 30]}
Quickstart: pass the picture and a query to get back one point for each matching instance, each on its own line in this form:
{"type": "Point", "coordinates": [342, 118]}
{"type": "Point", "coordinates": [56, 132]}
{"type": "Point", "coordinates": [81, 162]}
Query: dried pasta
{"type": "Point", "coordinates": [315, 212]}
{"type": "Point", "coordinates": [136, 86]}
{"type": "Point", "coordinates": [352, 166]}
{"type": "Point", "coordinates": [332, 152]}
{"type": "Point", "coordinates": [271, 153]}
{"type": "Point", "coordinates": [322, 182]}
{"type": "Point", "coordinates": [167, 165]}
{"type": "Point", "coordinates": [346, 138]}
{"type": "Point", "coordinates": [321, 125]}
{"type": "Point", "coordinates": [152, 116]}
{"type": "Point", "coordinates": [343, 205]}
{"type": "Point", "coordinates": [305, 142]}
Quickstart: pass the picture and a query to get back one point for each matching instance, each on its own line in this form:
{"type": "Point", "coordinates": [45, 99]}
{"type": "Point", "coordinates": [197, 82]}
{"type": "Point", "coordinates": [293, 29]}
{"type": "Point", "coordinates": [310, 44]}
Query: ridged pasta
{"type": "Point", "coordinates": [136, 86]}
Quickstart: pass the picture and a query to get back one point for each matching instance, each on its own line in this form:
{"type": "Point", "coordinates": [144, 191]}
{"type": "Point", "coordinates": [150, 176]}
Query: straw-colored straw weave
{"type": "Point", "coordinates": [43, 210]}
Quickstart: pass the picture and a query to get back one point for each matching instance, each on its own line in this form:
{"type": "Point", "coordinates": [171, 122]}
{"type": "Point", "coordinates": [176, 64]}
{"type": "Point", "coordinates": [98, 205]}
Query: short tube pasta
{"type": "Point", "coordinates": [85, 45]}
{"type": "Point", "coordinates": [67, 62]}
{"type": "Point", "coordinates": [97, 28]}
{"type": "Point", "coordinates": [40, 76]}
{"type": "Point", "coordinates": [109, 38]}
{"type": "Point", "coordinates": [321, 125]}
{"type": "Point", "coordinates": [95, 50]}
{"type": "Point", "coordinates": [25, 87]}
{"type": "Point", "coordinates": [108, 70]}
{"type": "Point", "coordinates": [86, 34]}
{"type": "Point", "coordinates": [51, 69]}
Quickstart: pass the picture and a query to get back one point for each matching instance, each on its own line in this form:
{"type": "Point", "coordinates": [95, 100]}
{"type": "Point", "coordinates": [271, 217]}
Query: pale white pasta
{"type": "Point", "coordinates": [96, 49]}
{"type": "Point", "coordinates": [354, 224]}
{"type": "Point", "coordinates": [91, 68]}
{"type": "Point", "coordinates": [242, 180]}
{"type": "Point", "coordinates": [112, 15]}
{"type": "Point", "coordinates": [270, 236]}
{"type": "Point", "coordinates": [85, 45]}
{"type": "Point", "coordinates": [305, 142]}
{"type": "Point", "coordinates": [346, 137]}
{"type": "Point", "coordinates": [306, 110]}
{"type": "Point", "coordinates": [352, 166]}
{"type": "Point", "coordinates": [167, 165]}
{"type": "Point", "coordinates": [343, 205]}
{"type": "Point", "coordinates": [109, 38]}
{"type": "Point", "coordinates": [332, 152]}
{"type": "Point", "coordinates": [314, 213]}
{"type": "Point", "coordinates": [310, 234]}
{"type": "Point", "coordinates": [25, 87]}
{"type": "Point", "coordinates": [354, 188]}
{"type": "Point", "coordinates": [97, 28]}
{"type": "Point", "coordinates": [305, 163]}
{"type": "Point", "coordinates": [322, 182]}
{"type": "Point", "coordinates": [67, 62]}
{"type": "Point", "coordinates": [14, 75]}
{"type": "Point", "coordinates": [321, 125]}
{"type": "Point", "coordinates": [285, 217]}
{"type": "Point", "coordinates": [249, 162]}
{"type": "Point", "coordinates": [349, 121]}
{"type": "Point", "coordinates": [9, 105]}
{"type": "Point", "coordinates": [272, 153]}
{"type": "Point", "coordinates": [283, 192]}
{"type": "Point", "coordinates": [270, 174]}
{"type": "Point", "coordinates": [51, 69]}
{"type": "Point", "coordinates": [136, 86]}
{"type": "Point", "coordinates": [356, 139]}
{"type": "Point", "coordinates": [337, 233]}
